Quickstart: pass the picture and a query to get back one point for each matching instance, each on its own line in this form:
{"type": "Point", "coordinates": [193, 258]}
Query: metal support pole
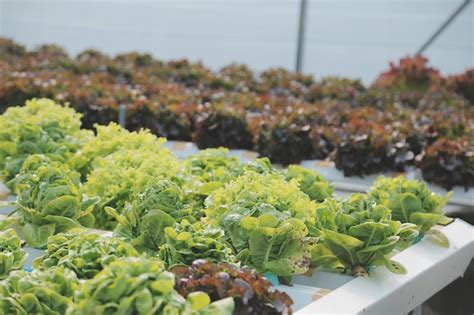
{"type": "Point", "coordinates": [443, 26]}
{"type": "Point", "coordinates": [301, 33]}
{"type": "Point", "coordinates": [121, 115]}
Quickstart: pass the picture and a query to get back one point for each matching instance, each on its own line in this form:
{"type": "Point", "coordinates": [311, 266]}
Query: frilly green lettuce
{"type": "Point", "coordinates": [213, 165]}
{"type": "Point", "coordinates": [253, 189]}
{"type": "Point", "coordinates": [260, 165]}
{"type": "Point", "coordinates": [119, 177]}
{"type": "Point", "coordinates": [109, 139]}
{"type": "Point", "coordinates": [209, 170]}
{"type": "Point", "coordinates": [39, 127]}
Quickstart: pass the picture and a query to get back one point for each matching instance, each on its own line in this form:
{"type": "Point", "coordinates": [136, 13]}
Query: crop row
{"type": "Point", "coordinates": [112, 278]}
{"type": "Point", "coordinates": [410, 115]}
{"type": "Point", "coordinates": [189, 236]}
{"type": "Point", "coordinates": [207, 206]}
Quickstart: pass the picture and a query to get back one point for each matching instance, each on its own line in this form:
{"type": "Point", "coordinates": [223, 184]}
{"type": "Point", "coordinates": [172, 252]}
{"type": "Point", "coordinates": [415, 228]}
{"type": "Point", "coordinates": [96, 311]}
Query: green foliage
{"type": "Point", "coordinates": [140, 286]}
{"type": "Point", "coordinates": [120, 176]}
{"type": "Point", "coordinates": [12, 257]}
{"type": "Point", "coordinates": [410, 201]}
{"type": "Point", "coordinates": [310, 182]}
{"type": "Point", "coordinates": [253, 189]}
{"type": "Point", "coordinates": [143, 221]}
{"type": "Point", "coordinates": [49, 200]}
{"type": "Point", "coordinates": [209, 206]}
{"type": "Point", "coordinates": [213, 165]}
{"type": "Point", "coordinates": [84, 253]}
{"type": "Point", "coordinates": [211, 169]}
{"type": "Point", "coordinates": [358, 233]}
{"type": "Point", "coordinates": [260, 165]}
{"type": "Point", "coordinates": [264, 218]}
{"type": "Point", "coordinates": [108, 140]}
{"type": "Point", "coordinates": [48, 292]}
{"type": "Point", "coordinates": [39, 127]}
{"type": "Point", "coordinates": [276, 244]}
{"type": "Point", "coordinates": [187, 242]}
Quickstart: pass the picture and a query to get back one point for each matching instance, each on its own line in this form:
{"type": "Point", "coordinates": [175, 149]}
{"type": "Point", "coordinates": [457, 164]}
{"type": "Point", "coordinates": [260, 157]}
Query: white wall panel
{"type": "Point", "coordinates": [344, 37]}
{"type": "Point", "coordinates": [358, 38]}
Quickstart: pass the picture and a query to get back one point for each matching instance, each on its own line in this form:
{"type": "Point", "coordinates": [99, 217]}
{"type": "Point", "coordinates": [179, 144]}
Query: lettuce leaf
{"type": "Point", "coordinates": [39, 292]}
{"type": "Point", "coordinates": [144, 219]}
{"type": "Point", "coordinates": [109, 139]}
{"type": "Point", "coordinates": [39, 127]}
{"type": "Point", "coordinates": [49, 200]}
{"type": "Point", "coordinates": [252, 189]}
{"type": "Point", "coordinates": [357, 233]}
{"type": "Point", "coordinates": [119, 177]}
{"type": "Point", "coordinates": [84, 253]}
{"type": "Point", "coordinates": [264, 218]}
{"type": "Point", "coordinates": [310, 182]}
{"type": "Point", "coordinates": [187, 242]}
{"type": "Point", "coordinates": [137, 285]}
{"type": "Point", "coordinates": [249, 290]}
{"type": "Point", "coordinates": [410, 201]}
{"type": "Point", "coordinates": [209, 170]}
{"type": "Point", "coordinates": [12, 257]}
{"type": "Point", "coordinates": [282, 249]}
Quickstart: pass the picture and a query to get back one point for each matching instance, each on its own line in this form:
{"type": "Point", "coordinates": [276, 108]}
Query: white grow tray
{"type": "Point", "coordinates": [182, 149]}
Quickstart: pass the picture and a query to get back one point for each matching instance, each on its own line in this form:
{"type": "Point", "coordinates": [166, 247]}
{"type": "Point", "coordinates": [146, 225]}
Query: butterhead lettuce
{"type": "Point", "coordinates": [410, 201]}
{"type": "Point", "coordinates": [187, 242]}
{"type": "Point", "coordinates": [49, 200]}
{"type": "Point", "coordinates": [264, 218]}
{"type": "Point", "coordinates": [137, 285]}
{"type": "Point", "coordinates": [39, 292]}
{"type": "Point", "coordinates": [357, 233]}
{"type": "Point", "coordinates": [83, 252]}
{"type": "Point", "coordinates": [143, 221]}
{"type": "Point", "coordinates": [12, 257]}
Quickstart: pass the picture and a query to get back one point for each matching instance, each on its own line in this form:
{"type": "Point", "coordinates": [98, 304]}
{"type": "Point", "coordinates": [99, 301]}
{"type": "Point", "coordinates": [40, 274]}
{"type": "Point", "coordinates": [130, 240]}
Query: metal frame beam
{"type": "Point", "coordinates": [443, 26]}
